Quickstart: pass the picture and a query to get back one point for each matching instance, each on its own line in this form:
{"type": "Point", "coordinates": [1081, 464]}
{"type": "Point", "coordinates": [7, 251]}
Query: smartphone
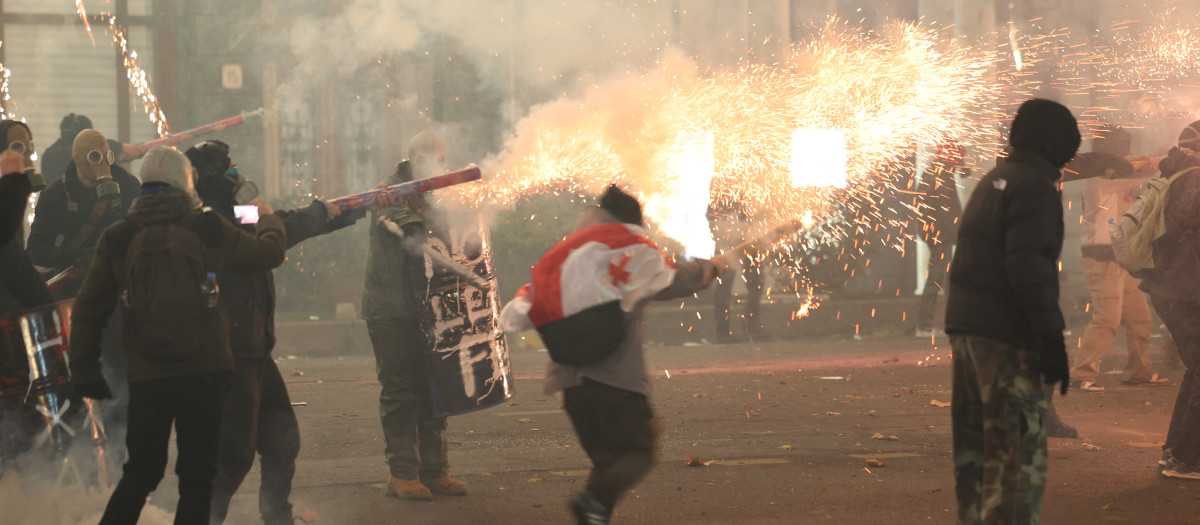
{"type": "Point", "coordinates": [246, 214]}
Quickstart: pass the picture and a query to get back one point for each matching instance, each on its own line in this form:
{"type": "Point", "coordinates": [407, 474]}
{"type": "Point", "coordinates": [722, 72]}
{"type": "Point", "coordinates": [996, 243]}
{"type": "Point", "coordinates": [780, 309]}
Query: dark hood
{"type": "Point", "coordinates": [161, 206]}
{"type": "Point", "coordinates": [1046, 128]}
{"type": "Point", "coordinates": [1176, 161]}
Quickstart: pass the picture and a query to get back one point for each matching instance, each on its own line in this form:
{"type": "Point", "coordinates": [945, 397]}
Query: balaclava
{"type": "Point", "coordinates": [93, 161]}
{"type": "Point", "coordinates": [427, 153]}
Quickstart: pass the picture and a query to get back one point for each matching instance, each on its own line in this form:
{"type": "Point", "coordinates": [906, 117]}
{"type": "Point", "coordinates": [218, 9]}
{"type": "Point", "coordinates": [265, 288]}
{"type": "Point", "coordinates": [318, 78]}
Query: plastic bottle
{"type": "Point", "coordinates": [210, 290]}
{"type": "Point", "coordinates": [1114, 231]}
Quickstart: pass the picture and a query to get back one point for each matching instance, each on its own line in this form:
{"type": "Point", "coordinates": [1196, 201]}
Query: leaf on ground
{"type": "Point", "coordinates": [787, 447]}
{"type": "Point", "coordinates": [696, 461]}
{"type": "Point", "coordinates": [883, 437]}
{"type": "Point", "coordinates": [536, 478]}
{"type": "Point", "coordinates": [697, 395]}
{"type": "Point", "coordinates": [752, 413]}
{"type": "Point", "coordinates": [1107, 506]}
{"type": "Point", "coordinates": [296, 373]}
{"type": "Point", "coordinates": [876, 463]}
{"type": "Point", "coordinates": [936, 403]}
{"type": "Point", "coordinates": [524, 420]}
{"type": "Point", "coordinates": [833, 413]}
{"type": "Point", "coordinates": [1091, 448]}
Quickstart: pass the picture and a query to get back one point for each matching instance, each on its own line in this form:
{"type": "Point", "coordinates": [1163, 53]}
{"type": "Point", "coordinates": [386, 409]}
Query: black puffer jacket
{"type": "Point", "coordinates": [1004, 277]}
{"type": "Point", "coordinates": [250, 297]}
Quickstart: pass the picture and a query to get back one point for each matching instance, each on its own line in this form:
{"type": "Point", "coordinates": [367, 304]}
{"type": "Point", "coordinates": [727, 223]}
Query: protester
{"type": "Point", "coordinates": [160, 263]}
{"type": "Point", "coordinates": [415, 440]}
{"type": "Point", "coordinates": [58, 156]}
{"type": "Point", "coordinates": [1004, 321]}
{"type": "Point", "coordinates": [258, 417]}
{"type": "Point", "coordinates": [15, 184]}
{"type": "Point", "coordinates": [611, 258]}
{"type": "Point", "coordinates": [1110, 186]}
{"type": "Point", "coordinates": [938, 213]}
{"type": "Point", "coordinates": [730, 226]}
{"type": "Point", "coordinates": [21, 288]}
{"type": "Point", "coordinates": [1174, 288]}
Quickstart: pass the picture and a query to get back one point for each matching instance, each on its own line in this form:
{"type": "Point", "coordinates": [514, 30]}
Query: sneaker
{"type": "Point", "coordinates": [1179, 470]}
{"type": "Point", "coordinates": [407, 489]}
{"type": "Point", "coordinates": [589, 511]}
{"type": "Point", "coordinates": [448, 486]}
{"type": "Point", "coordinates": [1154, 380]}
{"type": "Point", "coordinates": [1086, 386]}
{"type": "Point", "coordinates": [1166, 457]}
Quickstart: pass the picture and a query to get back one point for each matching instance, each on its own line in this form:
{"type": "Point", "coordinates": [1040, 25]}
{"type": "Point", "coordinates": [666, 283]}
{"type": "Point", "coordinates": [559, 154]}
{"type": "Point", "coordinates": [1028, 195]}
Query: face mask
{"type": "Point", "coordinates": [26, 148]}
{"type": "Point", "coordinates": [244, 190]}
{"type": "Point", "coordinates": [93, 161]}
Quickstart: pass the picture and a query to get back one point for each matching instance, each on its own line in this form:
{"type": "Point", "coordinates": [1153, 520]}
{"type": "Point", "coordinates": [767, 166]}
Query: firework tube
{"type": "Point", "coordinates": [175, 138]}
{"type": "Point", "coordinates": [63, 278]}
{"type": "Point", "coordinates": [438, 257]}
{"type": "Point", "coordinates": [404, 189]}
{"type": "Point", "coordinates": [772, 236]}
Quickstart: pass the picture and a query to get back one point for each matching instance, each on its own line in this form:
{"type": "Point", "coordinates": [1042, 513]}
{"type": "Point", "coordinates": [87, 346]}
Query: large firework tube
{"type": "Point", "coordinates": [772, 236]}
{"type": "Point", "coordinates": [175, 138]}
{"type": "Point", "coordinates": [404, 189]}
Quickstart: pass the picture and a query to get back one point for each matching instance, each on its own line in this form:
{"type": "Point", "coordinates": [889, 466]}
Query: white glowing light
{"type": "Point", "coordinates": [818, 158]}
{"type": "Point", "coordinates": [681, 209]}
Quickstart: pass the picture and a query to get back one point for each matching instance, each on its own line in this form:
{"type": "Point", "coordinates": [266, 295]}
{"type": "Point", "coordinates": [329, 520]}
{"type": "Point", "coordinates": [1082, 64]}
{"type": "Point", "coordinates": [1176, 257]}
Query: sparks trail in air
{"type": "Point", "coordinates": [6, 103]}
{"type": "Point", "coordinates": [139, 81]}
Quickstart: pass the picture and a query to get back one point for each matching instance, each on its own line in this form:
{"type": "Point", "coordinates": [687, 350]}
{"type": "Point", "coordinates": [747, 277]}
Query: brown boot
{"type": "Point", "coordinates": [407, 489]}
{"type": "Point", "coordinates": [448, 486]}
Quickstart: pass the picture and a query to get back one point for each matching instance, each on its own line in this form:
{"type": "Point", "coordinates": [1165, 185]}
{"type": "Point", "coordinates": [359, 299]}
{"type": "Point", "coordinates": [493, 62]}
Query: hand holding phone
{"type": "Point", "coordinates": [246, 214]}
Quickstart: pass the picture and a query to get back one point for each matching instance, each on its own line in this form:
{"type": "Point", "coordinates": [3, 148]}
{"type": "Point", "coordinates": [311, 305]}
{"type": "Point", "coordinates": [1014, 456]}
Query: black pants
{"type": "Point", "coordinates": [193, 403]}
{"type": "Point", "coordinates": [723, 299]}
{"type": "Point", "coordinates": [614, 428]}
{"type": "Point", "coordinates": [258, 419]}
{"type": "Point", "coordinates": [1183, 436]}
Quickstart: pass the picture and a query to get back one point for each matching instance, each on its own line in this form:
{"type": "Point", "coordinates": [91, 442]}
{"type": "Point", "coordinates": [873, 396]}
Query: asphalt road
{"type": "Point", "coordinates": [788, 444]}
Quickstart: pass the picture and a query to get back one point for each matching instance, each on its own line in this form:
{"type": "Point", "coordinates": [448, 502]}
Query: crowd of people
{"type": "Point", "coordinates": [173, 322]}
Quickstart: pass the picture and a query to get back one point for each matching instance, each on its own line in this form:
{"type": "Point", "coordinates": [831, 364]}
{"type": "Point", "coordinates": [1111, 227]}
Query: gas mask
{"type": "Point", "coordinates": [20, 141]}
{"type": "Point", "coordinates": [427, 154]}
{"type": "Point", "coordinates": [93, 162]}
{"type": "Point", "coordinates": [220, 185]}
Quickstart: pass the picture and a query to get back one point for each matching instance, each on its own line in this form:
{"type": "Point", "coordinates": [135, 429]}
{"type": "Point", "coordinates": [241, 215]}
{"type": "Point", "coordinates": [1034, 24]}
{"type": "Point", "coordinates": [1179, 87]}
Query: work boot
{"type": "Point", "coordinates": [407, 489]}
{"type": "Point", "coordinates": [448, 486]}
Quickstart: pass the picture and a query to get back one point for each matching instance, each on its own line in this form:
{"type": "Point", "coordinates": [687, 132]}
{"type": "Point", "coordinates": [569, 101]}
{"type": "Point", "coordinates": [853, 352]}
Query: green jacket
{"type": "Point", "coordinates": [241, 251]}
{"type": "Point", "coordinates": [388, 294]}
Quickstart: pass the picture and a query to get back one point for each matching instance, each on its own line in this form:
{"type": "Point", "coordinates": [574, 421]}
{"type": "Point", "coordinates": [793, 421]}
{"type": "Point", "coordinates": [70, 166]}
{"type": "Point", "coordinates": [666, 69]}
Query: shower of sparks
{"type": "Point", "coordinates": [83, 16]}
{"type": "Point", "coordinates": [6, 104]}
{"type": "Point", "coordinates": [139, 81]}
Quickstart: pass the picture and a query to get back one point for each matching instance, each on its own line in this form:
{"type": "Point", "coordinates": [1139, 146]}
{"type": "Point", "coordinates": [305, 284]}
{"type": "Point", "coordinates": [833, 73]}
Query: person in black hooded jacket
{"type": "Point", "coordinates": [258, 417]}
{"type": "Point", "coordinates": [1004, 321]}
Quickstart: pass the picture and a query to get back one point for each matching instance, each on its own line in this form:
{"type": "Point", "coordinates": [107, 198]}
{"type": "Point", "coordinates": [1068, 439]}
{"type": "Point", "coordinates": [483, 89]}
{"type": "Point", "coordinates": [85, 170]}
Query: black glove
{"type": "Point", "coordinates": [1053, 350]}
{"type": "Point", "coordinates": [97, 389]}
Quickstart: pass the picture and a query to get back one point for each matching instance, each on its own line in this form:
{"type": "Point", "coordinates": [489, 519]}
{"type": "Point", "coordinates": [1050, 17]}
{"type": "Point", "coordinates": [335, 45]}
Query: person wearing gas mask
{"type": "Point", "coordinates": [56, 157]}
{"type": "Point", "coordinates": [70, 215]}
{"type": "Point", "coordinates": [258, 417]}
{"type": "Point", "coordinates": [415, 440]}
{"type": "Point", "coordinates": [91, 194]}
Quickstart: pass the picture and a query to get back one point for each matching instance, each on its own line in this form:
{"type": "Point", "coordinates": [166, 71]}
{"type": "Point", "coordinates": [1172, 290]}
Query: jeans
{"type": "Point", "coordinates": [1183, 436]}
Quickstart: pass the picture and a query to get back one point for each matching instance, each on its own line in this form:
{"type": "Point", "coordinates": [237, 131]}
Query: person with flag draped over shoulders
{"type": "Point", "coordinates": [586, 298]}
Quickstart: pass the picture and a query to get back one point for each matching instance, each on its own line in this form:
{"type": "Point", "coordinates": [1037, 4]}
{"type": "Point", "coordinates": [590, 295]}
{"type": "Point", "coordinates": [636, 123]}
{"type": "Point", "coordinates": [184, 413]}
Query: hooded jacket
{"type": "Point", "coordinates": [387, 292]}
{"type": "Point", "coordinates": [63, 209]}
{"type": "Point", "coordinates": [241, 252]}
{"type": "Point", "coordinates": [14, 193]}
{"type": "Point", "coordinates": [1004, 277]}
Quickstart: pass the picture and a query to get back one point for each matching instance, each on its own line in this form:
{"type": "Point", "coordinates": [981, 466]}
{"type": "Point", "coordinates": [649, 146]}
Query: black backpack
{"type": "Point", "coordinates": [167, 317]}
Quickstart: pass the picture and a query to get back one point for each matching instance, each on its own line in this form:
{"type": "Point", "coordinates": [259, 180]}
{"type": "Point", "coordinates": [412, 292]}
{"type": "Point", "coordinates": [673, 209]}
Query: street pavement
{"type": "Point", "coordinates": [789, 428]}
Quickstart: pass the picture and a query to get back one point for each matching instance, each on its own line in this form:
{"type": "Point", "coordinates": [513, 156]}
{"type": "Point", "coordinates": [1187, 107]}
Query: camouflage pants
{"type": "Point", "coordinates": [998, 409]}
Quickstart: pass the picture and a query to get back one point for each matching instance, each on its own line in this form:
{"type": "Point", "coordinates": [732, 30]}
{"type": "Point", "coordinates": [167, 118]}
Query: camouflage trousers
{"type": "Point", "coordinates": [998, 409]}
